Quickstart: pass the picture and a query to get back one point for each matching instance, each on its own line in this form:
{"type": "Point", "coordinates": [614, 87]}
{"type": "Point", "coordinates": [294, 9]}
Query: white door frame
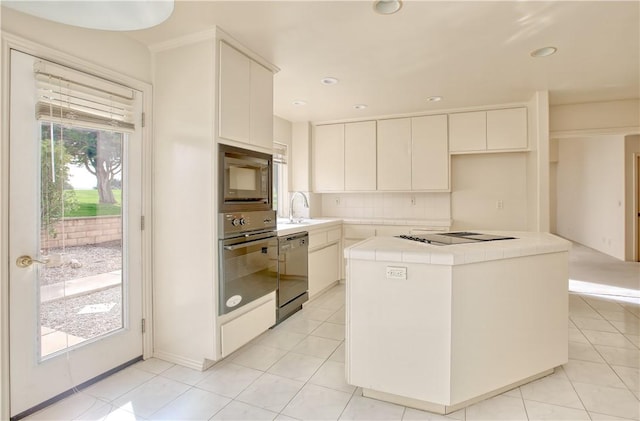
{"type": "Point", "coordinates": [10, 42]}
{"type": "Point", "coordinates": [636, 206]}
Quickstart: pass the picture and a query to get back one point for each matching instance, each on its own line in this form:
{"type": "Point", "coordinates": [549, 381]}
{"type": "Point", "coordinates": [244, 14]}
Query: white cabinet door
{"type": "Point", "coordinates": [261, 131]}
{"type": "Point", "coordinates": [430, 153]}
{"type": "Point", "coordinates": [507, 129]}
{"type": "Point", "coordinates": [235, 94]}
{"type": "Point", "coordinates": [394, 154]}
{"type": "Point", "coordinates": [468, 131]}
{"type": "Point", "coordinates": [324, 268]}
{"type": "Point", "coordinates": [360, 156]}
{"type": "Point", "coordinates": [328, 158]}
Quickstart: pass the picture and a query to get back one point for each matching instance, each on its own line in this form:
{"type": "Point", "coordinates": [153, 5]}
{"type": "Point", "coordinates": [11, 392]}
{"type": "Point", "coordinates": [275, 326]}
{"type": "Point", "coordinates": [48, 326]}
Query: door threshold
{"type": "Point", "coordinates": [71, 391]}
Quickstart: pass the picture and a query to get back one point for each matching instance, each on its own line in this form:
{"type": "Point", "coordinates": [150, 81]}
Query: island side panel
{"type": "Point", "coordinates": [398, 330]}
{"type": "Point", "coordinates": [509, 322]}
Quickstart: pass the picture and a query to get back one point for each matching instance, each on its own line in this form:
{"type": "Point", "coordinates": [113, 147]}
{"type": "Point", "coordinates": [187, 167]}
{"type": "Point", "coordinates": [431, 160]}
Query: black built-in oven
{"type": "Point", "coordinates": [248, 258]}
{"type": "Point", "coordinates": [245, 180]}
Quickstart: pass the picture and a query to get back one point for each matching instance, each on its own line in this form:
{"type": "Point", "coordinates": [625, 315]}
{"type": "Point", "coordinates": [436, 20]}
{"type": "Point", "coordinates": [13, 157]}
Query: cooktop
{"type": "Point", "coordinates": [450, 238]}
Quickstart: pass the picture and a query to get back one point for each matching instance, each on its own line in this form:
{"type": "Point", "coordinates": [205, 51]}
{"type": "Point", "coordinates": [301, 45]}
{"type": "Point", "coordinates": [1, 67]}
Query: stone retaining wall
{"type": "Point", "coordinates": [82, 231]}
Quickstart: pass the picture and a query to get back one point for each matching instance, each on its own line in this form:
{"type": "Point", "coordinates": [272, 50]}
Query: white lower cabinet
{"type": "Point", "coordinates": [244, 328]}
{"type": "Point", "coordinates": [324, 268]}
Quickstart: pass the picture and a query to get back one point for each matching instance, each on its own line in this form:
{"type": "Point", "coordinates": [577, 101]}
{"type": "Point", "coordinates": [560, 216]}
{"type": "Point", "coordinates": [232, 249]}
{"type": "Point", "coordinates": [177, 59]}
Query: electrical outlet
{"type": "Point", "coordinates": [413, 200]}
{"type": "Point", "coordinates": [396, 272]}
{"type": "Point", "coordinates": [337, 201]}
{"type": "Point", "coordinates": [500, 204]}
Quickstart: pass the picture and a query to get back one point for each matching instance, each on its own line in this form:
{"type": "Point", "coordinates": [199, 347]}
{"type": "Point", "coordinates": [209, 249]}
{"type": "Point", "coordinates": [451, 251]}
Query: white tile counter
{"type": "Point", "coordinates": [392, 249]}
{"type": "Point", "coordinates": [286, 228]}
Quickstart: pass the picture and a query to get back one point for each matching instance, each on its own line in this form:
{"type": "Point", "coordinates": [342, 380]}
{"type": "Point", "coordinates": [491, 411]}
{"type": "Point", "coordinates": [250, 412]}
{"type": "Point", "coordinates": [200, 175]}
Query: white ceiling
{"type": "Point", "coordinates": [471, 53]}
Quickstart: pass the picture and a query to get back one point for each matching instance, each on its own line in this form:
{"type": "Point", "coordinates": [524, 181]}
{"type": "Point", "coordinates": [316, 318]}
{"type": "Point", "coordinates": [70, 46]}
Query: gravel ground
{"type": "Point", "coordinates": [86, 316]}
{"type": "Point", "coordinates": [89, 315]}
{"type": "Point", "coordinates": [93, 258]}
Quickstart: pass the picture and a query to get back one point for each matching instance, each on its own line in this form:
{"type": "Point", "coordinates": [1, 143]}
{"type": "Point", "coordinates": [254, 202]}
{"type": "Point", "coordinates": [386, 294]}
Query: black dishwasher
{"type": "Point", "coordinates": [293, 274]}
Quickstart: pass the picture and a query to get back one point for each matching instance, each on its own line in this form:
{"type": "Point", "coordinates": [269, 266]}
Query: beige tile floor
{"type": "Point", "coordinates": [296, 371]}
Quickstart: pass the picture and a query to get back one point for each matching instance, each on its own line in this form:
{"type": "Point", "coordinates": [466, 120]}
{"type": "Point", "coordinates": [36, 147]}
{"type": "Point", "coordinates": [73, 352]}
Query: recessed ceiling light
{"type": "Point", "coordinates": [299, 102]}
{"type": "Point", "coordinates": [544, 52]}
{"type": "Point", "coordinates": [387, 7]}
{"type": "Point", "coordinates": [328, 80]}
{"type": "Point", "coordinates": [360, 106]}
{"type": "Point", "coordinates": [434, 98]}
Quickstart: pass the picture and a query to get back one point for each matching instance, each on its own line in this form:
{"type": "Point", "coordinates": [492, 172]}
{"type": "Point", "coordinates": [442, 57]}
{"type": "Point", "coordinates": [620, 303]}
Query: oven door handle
{"type": "Point", "coordinates": [247, 244]}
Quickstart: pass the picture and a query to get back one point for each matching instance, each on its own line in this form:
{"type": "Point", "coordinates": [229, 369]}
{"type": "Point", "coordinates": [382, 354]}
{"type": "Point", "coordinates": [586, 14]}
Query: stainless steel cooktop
{"type": "Point", "coordinates": [450, 238]}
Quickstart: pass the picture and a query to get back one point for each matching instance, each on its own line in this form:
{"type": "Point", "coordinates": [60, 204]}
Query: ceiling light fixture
{"type": "Point", "coordinates": [360, 106]}
{"type": "Point", "coordinates": [299, 102]}
{"type": "Point", "coordinates": [329, 81]}
{"type": "Point", "coordinates": [387, 7]}
{"type": "Point", "coordinates": [544, 52]}
{"type": "Point", "coordinates": [105, 15]}
{"type": "Point", "coordinates": [434, 99]}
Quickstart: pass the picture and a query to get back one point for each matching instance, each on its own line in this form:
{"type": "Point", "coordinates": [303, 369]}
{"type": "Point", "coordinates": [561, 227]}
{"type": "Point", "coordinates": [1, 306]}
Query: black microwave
{"type": "Point", "coordinates": [245, 180]}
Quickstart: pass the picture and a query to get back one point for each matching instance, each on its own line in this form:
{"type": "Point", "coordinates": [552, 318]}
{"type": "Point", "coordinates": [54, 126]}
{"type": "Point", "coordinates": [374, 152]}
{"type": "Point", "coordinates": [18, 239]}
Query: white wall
{"type": "Point", "coordinates": [407, 206]}
{"type": "Point", "coordinates": [599, 122]}
{"type": "Point", "coordinates": [591, 192]}
{"type": "Point", "coordinates": [595, 115]}
{"type": "Point", "coordinates": [538, 208]}
{"type": "Point", "coordinates": [282, 131]}
{"type": "Point", "coordinates": [478, 182]}
{"type": "Point", "coordinates": [632, 199]}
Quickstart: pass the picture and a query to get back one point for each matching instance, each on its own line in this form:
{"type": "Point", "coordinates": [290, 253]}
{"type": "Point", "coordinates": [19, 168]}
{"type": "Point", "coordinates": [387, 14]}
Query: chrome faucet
{"type": "Point", "coordinates": [293, 196]}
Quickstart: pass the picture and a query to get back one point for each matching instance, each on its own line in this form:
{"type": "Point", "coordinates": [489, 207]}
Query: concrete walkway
{"type": "Point", "coordinates": [80, 286]}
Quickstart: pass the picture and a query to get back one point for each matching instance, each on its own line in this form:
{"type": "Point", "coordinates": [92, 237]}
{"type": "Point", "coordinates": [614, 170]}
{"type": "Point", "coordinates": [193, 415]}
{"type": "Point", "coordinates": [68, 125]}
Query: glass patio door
{"type": "Point", "coordinates": [75, 236]}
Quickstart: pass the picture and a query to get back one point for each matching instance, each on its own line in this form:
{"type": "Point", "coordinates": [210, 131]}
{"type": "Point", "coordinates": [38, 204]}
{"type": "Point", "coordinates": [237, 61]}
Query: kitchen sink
{"type": "Point", "coordinates": [295, 222]}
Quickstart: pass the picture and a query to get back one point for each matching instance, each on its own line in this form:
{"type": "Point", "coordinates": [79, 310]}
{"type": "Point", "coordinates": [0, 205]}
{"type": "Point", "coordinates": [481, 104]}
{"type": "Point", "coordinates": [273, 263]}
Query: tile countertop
{"type": "Point", "coordinates": [286, 228]}
{"type": "Point", "coordinates": [418, 223]}
{"type": "Point", "coordinates": [392, 249]}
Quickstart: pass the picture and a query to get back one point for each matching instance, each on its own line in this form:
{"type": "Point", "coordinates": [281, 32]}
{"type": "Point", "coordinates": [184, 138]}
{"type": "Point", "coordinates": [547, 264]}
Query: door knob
{"type": "Point", "coordinates": [26, 261]}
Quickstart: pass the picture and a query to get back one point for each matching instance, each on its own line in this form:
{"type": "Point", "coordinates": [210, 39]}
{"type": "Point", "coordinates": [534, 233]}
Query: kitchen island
{"type": "Point", "coordinates": [441, 327]}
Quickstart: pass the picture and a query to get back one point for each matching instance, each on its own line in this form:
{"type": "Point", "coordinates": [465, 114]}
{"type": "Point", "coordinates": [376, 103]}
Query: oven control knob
{"type": "Point", "coordinates": [235, 222]}
{"type": "Point", "coordinates": [243, 221]}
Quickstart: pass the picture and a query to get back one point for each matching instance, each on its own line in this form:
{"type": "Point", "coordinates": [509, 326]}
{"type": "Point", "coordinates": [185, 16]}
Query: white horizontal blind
{"type": "Point", "coordinates": [69, 96]}
{"type": "Point", "coordinates": [279, 153]}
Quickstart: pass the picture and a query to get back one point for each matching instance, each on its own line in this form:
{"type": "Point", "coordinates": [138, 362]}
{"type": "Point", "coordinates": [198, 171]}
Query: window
{"type": "Point", "coordinates": [280, 180]}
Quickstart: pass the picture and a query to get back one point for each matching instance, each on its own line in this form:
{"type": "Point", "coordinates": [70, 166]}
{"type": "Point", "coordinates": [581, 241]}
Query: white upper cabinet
{"type": "Point", "coordinates": [507, 129]}
{"type": "Point", "coordinates": [493, 130]}
{"type": "Point", "coordinates": [261, 121]}
{"type": "Point", "coordinates": [394, 154]}
{"type": "Point", "coordinates": [430, 153]}
{"type": "Point", "coordinates": [344, 157]}
{"type": "Point", "coordinates": [246, 99]}
{"type": "Point", "coordinates": [413, 154]}
{"type": "Point", "coordinates": [235, 94]}
{"type": "Point", "coordinates": [468, 132]}
{"type": "Point", "coordinates": [328, 158]}
{"type": "Point", "coordinates": [360, 156]}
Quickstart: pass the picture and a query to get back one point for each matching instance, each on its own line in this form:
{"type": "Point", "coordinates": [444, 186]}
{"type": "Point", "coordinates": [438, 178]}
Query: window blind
{"type": "Point", "coordinates": [279, 153]}
{"type": "Point", "coordinates": [69, 96]}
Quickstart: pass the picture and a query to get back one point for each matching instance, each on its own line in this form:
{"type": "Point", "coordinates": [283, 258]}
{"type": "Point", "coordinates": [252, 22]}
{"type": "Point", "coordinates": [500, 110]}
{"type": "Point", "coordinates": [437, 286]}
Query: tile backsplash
{"type": "Point", "coordinates": [387, 205]}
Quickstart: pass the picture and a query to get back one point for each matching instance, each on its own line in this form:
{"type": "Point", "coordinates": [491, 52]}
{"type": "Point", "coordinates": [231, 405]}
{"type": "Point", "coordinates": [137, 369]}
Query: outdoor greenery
{"type": "Point", "coordinates": [99, 152]}
{"type": "Point", "coordinates": [54, 180]}
{"type": "Point", "coordinates": [88, 204]}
